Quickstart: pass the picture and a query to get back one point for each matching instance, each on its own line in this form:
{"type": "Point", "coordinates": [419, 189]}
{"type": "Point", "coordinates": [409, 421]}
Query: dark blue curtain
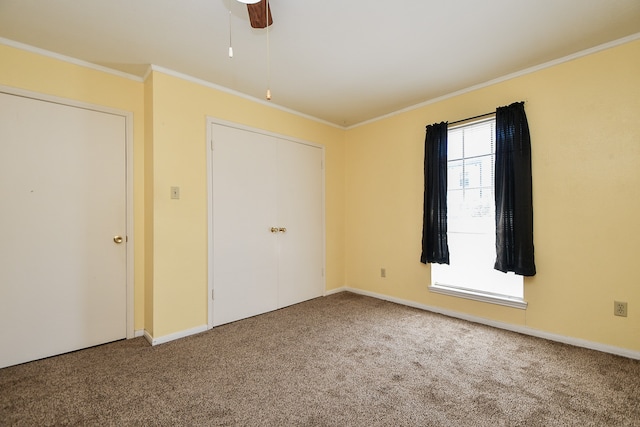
{"type": "Point", "coordinates": [514, 206]}
{"type": "Point", "coordinates": [434, 225]}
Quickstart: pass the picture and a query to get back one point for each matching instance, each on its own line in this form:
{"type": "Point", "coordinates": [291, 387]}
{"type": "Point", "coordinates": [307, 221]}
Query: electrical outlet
{"type": "Point", "coordinates": [620, 308]}
{"type": "Point", "coordinates": [383, 272]}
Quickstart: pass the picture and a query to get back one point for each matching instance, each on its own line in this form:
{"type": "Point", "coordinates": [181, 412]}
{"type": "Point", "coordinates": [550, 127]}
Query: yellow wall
{"type": "Point", "coordinates": [585, 130]}
{"type": "Point", "coordinates": [37, 73]}
{"type": "Point", "coordinates": [180, 108]}
{"type": "Point", "coordinates": [148, 205]}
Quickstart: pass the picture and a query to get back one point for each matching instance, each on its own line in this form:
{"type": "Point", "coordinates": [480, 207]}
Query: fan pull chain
{"type": "Point", "coordinates": [230, 46]}
{"type": "Point", "coordinates": [268, 54]}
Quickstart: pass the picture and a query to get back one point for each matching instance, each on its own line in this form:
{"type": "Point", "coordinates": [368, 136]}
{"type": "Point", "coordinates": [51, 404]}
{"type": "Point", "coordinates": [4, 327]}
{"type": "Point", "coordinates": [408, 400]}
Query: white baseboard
{"type": "Point", "coordinates": [148, 337]}
{"type": "Point", "coordinates": [176, 335]}
{"type": "Point", "coordinates": [501, 325]}
{"type": "Point", "coordinates": [335, 291]}
{"type": "Point", "coordinates": [139, 333]}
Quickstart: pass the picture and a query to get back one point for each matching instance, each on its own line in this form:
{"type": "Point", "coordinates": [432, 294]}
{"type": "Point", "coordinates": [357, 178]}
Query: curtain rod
{"type": "Point", "coordinates": [474, 117]}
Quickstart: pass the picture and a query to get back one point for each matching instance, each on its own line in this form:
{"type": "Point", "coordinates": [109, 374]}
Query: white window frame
{"type": "Point", "coordinates": [466, 290]}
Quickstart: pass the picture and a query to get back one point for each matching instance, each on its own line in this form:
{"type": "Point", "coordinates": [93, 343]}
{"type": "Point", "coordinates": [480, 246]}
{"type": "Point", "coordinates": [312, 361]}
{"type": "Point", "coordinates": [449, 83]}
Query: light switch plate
{"type": "Point", "coordinates": [175, 192]}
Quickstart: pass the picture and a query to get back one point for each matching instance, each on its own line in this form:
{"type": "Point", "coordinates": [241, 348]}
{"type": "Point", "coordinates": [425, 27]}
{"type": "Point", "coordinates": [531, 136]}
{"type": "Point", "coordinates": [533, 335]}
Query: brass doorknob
{"type": "Point", "coordinates": [282, 230]}
{"type": "Point", "coordinates": [274, 229]}
{"type": "Point", "coordinates": [117, 239]}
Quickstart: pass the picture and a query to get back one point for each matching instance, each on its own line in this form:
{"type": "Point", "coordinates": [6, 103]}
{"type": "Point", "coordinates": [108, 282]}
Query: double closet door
{"type": "Point", "coordinates": [268, 223]}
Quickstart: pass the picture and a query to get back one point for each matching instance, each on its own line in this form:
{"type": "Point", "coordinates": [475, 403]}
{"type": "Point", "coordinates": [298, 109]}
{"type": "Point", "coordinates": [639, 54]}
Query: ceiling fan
{"type": "Point", "coordinates": [258, 12]}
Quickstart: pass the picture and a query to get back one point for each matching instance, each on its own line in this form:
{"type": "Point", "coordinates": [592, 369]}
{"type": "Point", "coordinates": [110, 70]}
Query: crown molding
{"type": "Point", "coordinates": [520, 73]}
{"type": "Point", "coordinates": [150, 69]}
{"type": "Point", "coordinates": [266, 103]}
{"type": "Point", "coordinates": [224, 89]}
{"type": "Point", "coordinates": [68, 59]}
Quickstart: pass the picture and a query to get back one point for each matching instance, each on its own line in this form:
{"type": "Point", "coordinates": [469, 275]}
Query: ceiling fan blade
{"type": "Point", "coordinates": [258, 12]}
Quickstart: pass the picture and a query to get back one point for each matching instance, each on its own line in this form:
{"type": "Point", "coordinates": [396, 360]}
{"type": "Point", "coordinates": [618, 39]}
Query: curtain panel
{"type": "Point", "coordinates": [513, 192]}
{"type": "Point", "coordinates": [435, 248]}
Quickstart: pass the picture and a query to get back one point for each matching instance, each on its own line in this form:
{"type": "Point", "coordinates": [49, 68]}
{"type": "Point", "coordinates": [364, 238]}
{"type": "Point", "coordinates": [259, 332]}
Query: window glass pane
{"type": "Point", "coordinates": [478, 140]}
{"type": "Point", "coordinates": [455, 176]}
{"type": "Point", "coordinates": [474, 251]}
{"type": "Point", "coordinates": [455, 209]}
{"type": "Point", "coordinates": [487, 172]}
{"type": "Point", "coordinates": [472, 168]}
{"type": "Point", "coordinates": [454, 142]}
{"type": "Point", "coordinates": [472, 214]}
{"type": "Point", "coordinates": [471, 267]}
{"type": "Point", "coordinates": [479, 172]}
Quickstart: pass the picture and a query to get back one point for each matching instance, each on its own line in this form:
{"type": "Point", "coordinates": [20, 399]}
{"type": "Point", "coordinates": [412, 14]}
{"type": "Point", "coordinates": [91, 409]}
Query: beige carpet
{"type": "Point", "coordinates": [342, 360]}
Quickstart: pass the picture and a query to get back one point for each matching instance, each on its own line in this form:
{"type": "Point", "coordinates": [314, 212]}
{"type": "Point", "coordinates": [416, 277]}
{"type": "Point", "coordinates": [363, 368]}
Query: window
{"type": "Point", "coordinates": [471, 221]}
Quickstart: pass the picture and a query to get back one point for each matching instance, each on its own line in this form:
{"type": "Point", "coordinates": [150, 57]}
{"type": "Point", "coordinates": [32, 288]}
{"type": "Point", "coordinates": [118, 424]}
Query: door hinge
{"type": "Point", "coordinates": [211, 294]}
{"type": "Point", "coordinates": [322, 271]}
{"type": "Point", "coordinates": [211, 144]}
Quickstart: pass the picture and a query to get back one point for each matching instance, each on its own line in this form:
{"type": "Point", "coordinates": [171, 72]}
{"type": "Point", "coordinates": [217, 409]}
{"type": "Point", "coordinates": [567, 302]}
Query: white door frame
{"type": "Point", "coordinates": [128, 116]}
{"type": "Point", "coordinates": [209, 143]}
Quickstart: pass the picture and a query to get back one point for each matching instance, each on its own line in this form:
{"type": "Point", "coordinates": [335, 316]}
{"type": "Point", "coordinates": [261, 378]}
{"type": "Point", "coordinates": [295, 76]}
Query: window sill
{"type": "Point", "coordinates": [479, 296]}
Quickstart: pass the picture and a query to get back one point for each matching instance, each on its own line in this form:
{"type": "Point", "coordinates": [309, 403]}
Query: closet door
{"type": "Point", "coordinates": [267, 223]}
{"type": "Point", "coordinates": [245, 256]}
{"type": "Point", "coordinates": [301, 260]}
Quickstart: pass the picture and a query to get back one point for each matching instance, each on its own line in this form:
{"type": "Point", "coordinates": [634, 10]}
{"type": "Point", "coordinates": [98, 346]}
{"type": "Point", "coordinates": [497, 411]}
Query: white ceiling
{"type": "Point", "coordinates": [343, 61]}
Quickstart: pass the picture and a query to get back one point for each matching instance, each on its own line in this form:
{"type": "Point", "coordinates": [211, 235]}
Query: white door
{"type": "Point", "coordinates": [245, 261]}
{"type": "Point", "coordinates": [267, 208]}
{"type": "Point", "coordinates": [301, 260]}
{"type": "Point", "coordinates": [63, 187]}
